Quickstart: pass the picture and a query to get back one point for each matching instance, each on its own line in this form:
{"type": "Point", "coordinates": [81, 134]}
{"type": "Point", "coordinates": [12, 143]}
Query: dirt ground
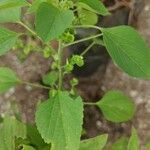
{"type": "Point", "coordinates": [106, 77]}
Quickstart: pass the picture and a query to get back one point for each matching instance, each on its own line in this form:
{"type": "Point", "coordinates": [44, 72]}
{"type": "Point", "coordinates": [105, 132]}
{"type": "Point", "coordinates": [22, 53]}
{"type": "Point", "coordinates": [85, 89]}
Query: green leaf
{"type": "Point", "coordinates": [128, 50]}
{"type": "Point", "coordinates": [50, 78]}
{"type": "Point", "coordinates": [120, 144]}
{"type": "Point", "coordinates": [35, 5]}
{"type": "Point", "coordinates": [8, 79]}
{"type": "Point", "coordinates": [96, 143]}
{"type": "Point", "coordinates": [10, 10]}
{"type": "Point", "coordinates": [133, 141]}
{"type": "Point", "coordinates": [10, 130]}
{"type": "Point", "coordinates": [5, 4]}
{"type": "Point", "coordinates": [89, 18]}
{"type": "Point", "coordinates": [51, 22]}
{"type": "Point", "coordinates": [10, 15]}
{"type": "Point", "coordinates": [59, 121]}
{"type": "Point", "coordinates": [7, 40]}
{"type": "Point", "coordinates": [147, 147]}
{"type": "Point", "coordinates": [116, 106]}
{"type": "Point", "coordinates": [34, 137]}
{"type": "Point", "coordinates": [95, 6]}
{"type": "Point", "coordinates": [27, 147]}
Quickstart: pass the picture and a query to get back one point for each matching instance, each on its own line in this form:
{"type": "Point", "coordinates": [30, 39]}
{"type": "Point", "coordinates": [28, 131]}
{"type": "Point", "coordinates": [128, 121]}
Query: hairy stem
{"type": "Point", "coordinates": [84, 39]}
{"type": "Point", "coordinates": [60, 65]}
{"type": "Point", "coordinates": [35, 85]}
{"type": "Point", "coordinates": [90, 104]}
{"type": "Point", "coordinates": [88, 48]}
{"type": "Point", "coordinates": [87, 26]}
{"type": "Point", "coordinates": [29, 29]}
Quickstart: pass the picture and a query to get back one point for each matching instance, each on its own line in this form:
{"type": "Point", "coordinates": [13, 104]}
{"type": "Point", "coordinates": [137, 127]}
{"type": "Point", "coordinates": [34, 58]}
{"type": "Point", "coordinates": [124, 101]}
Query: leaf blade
{"type": "Point", "coordinates": [128, 50]}
{"type": "Point", "coordinates": [97, 6]}
{"type": "Point", "coordinates": [62, 124]}
{"type": "Point", "coordinates": [116, 106]}
{"type": "Point", "coordinates": [51, 22]}
{"type": "Point", "coordinates": [94, 143]}
{"type": "Point", "coordinates": [7, 40]}
{"type": "Point", "coordinates": [8, 79]}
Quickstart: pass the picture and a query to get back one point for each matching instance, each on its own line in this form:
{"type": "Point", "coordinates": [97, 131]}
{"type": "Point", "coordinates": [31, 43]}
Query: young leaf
{"type": "Point", "coordinates": [59, 121]}
{"type": "Point", "coordinates": [95, 6]}
{"type": "Point", "coordinates": [51, 22]}
{"type": "Point", "coordinates": [96, 143]}
{"type": "Point", "coordinates": [89, 18]}
{"type": "Point", "coordinates": [133, 141]}
{"type": "Point", "coordinates": [120, 144]}
{"type": "Point", "coordinates": [128, 50]}
{"type": "Point", "coordinates": [8, 79]}
{"type": "Point", "coordinates": [50, 78]}
{"type": "Point", "coordinates": [116, 106]}
{"type": "Point", "coordinates": [7, 40]}
{"type": "Point", "coordinates": [5, 4]}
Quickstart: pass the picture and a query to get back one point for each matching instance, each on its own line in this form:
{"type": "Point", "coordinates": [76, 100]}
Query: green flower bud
{"type": "Point", "coordinates": [78, 60]}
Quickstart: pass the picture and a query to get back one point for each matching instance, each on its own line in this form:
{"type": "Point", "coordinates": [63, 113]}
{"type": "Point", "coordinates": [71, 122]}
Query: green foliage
{"type": "Point", "coordinates": [5, 4]}
{"type": "Point", "coordinates": [10, 15]}
{"type": "Point", "coordinates": [8, 79]}
{"type": "Point", "coordinates": [26, 147]}
{"type": "Point", "coordinates": [87, 17]}
{"type": "Point", "coordinates": [10, 130]}
{"type": "Point", "coordinates": [96, 143]}
{"type": "Point", "coordinates": [116, 106]}
{"type": "Point", "coordinates": [133, 141]}
{"type": "Point", "coordinates": [10, 10]}
{"type": "Point", "coordinates": [7, 40]}
{"type": "Point", "coordinates": [59, 119]}
{"type": "Point", "coordinates": [62, 122]}
{"type": "Point", "coordinates": [147, 147]}
{"type": "Point", "coordinates": [51, 22]}
{"type": "Point", "coordinates": [120, 144]}
{"type": "Point", "coordinates": [34, 137]}
{"type": "Point", "coordinates": [95, 6]}
{"type": "Point", "coordinates": [50, 78]}
{"type": "Point", "coordinates": [128, 50]}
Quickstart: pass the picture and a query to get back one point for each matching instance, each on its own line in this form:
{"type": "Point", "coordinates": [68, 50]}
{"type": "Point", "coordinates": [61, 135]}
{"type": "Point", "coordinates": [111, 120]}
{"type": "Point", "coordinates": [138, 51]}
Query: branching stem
{"type": "Point", "coordinates": [35, 85]}
{"type": "Point", "coordinates": [84, 39]}
{"type": "Point", "coordinates": [29, 29]}
{"type": "Point", "coordinates": [88, 48]}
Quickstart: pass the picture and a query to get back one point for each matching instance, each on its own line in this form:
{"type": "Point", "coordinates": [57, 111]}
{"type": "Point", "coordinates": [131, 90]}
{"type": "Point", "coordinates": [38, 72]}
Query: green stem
{"type": "Point", "coordinates": [35, 85]}
{"type": "Point", "coordinates": [88, 48]}
{"type": "Point", "coordinates": [87, 26]}
{"type": "Point", "coordinates": [90, 104]}
{"type": "Point", "coordinates": [84, 39]}
{"type": "Point", "coordinates": [29, 29]}
{"type": "Point", "coordinates": [60, 65]}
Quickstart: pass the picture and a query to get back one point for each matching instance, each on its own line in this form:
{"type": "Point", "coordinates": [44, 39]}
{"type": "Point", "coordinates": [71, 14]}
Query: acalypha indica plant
{"type": "Point", "coordinates": [59, 119]}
